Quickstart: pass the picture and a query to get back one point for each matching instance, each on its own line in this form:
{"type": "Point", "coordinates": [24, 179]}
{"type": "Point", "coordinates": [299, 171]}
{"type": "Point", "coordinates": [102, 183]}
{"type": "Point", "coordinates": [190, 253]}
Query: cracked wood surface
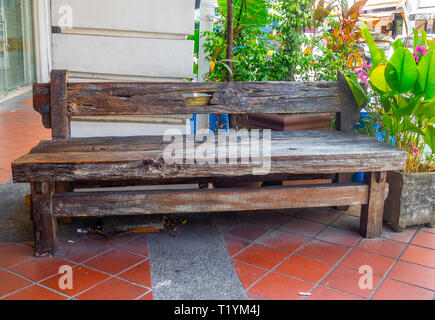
{"type": "Point", "coordinates": [141, 157]}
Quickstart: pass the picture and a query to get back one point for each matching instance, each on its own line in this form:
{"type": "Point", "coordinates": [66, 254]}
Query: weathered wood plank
{"type": "Point", "coordinates": [44, 224]}
{"type": "Point", "coordinates": [372, 212]}
{"type": "Point", "coordinates": [98, 99]}
{"type": "Point", "coordinates": [58, 101]}
{"type": "Point", "coordinates": [204, 200]}
{"type": "Point", "coordinates": [141, 158]}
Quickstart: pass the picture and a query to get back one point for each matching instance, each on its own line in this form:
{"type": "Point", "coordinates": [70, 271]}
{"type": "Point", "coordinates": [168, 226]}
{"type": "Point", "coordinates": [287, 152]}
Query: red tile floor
{"type": "Point", "coordinates": [276, 255]}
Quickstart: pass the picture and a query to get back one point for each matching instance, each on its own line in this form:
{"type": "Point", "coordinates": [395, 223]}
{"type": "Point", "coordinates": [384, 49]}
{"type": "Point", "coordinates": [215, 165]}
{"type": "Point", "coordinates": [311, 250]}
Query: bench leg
{"type": "Point", "coordinates": [372, 213]}
{"type": "Point", "coordinates": [44, 224]}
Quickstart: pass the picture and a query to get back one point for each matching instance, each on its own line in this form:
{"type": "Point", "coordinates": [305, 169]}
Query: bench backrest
{"type": "Point", "coordinates": [59, 100]}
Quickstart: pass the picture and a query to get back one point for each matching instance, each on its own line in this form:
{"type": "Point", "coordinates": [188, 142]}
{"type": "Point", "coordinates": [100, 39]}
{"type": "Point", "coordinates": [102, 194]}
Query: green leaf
{"type": "Point", "coordinates": [429, 137]}
{"type": "Point", "coordinates": [408, 106]}
{"type": "Point", "coordinates": [401, 71]}
{"type": "Point", "coordinates": [388, 123]}
{"type": "Point", "coordinates": [358, 92]}
{"type": "Point", "coordinates": [377, 78]}
{"type": "Point", "coordinates": [398, 44]}
{"type": "Point", "coordinates": [424, 38]}
{"type": "Point", "coordinates": [377, 55]}
{"type": "Point", "coordinates": [426, 76]}
{"type": "Point", "coordinates": [407, 126]}
{"type": "Point", "coordinates": [426, 111]}
{"type": "Point", "coordinates": [416, 37]}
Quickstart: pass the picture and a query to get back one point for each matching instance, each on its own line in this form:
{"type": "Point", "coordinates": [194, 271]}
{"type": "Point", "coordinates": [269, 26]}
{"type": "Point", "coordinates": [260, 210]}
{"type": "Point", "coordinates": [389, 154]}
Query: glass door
{"type": "Point", "coordinates": [16, 41]}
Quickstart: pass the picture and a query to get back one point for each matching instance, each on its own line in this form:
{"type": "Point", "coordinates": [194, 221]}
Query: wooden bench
{"type": "Point", "coordinates": [56, 168]}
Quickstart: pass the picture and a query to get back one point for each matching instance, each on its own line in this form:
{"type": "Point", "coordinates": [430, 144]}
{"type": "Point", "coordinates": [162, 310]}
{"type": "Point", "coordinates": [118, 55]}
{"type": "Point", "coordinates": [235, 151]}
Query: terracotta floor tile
{"type": "Point", "coordinates": [82, 250]}
{"type": "Point", "coordinates": [11, 256]}
{"type": "Point", "coordinates": [254, 297]}
{"type": "Point", "coordinates": [383, 247]}
{"type": "Point", "coordinates": [279, 287]}
{"type": "Point", "coordinates": [339, 236]}
{"type": "Point", "coordinates": [394, 290]}
{"type": "Point", "coordinates": [283, 240]}
{"type": "Point", "coordinates": [348, 280]}
{"type": "Point", "coordinates": [7, 244]}
{"type": "Point", "coordinates": [268, 219]}
{"type": "Point", "coordinates": [347, 222]}
{"type": "Point", "coordinates": [83, 278]}
{"type": "Point", "coordinates": [40, 268]}
{"type": "Point", "coordinates": [321, 215]}
{"type": "Point", "coordinates": [261, 256]}
{"type": "Point", "coordinates": [303, 227]}
{"type": "Point", "coordinates": [323, 293]}
{"type": "Point", "coordinates": [304, 268]}
{"type": "Point", "coordinates": [379, 264]}
{"type": "Point", "coordinates": [419, 255]}
{"type": "Point", "coordinates": [148, 296]}
{"type": "Point", "coordinates": [10, 283]}
{"type": "Point", "coordinates": [248, 274]}
{"type": "Point", "coordinates": [35, 293]}
{"type": "Point", "coordinates": [413, 274]}
{"type": "Point", "coordinates": [114, 261]}
{"type": "Point", "coordinates": [140, 274]}
{"type": "Point", "coordinates": [425, 239]}
{"type": "Point", "coordinates": [324, 251]}
{"type": "Point", "coordinates": [27, 103]}
{"type": "Point", "coordinates": [427, 229]}
{"type": "Point", "coordinates": [403, 236]}
{"type": "Point", "coordinates": [234, 245]}
{"type": "Point", "coordinates": [138, 246]}
{"type": "Point", "coordinates": [113, 289]}
{"type": "Point", "coordinates": [4, 178]}
{"type": "Point", "coordinates": [247, 231]}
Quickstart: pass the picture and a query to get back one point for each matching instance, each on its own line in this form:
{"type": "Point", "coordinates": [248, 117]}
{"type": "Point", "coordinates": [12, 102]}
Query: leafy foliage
{"type": "Point", "coordinates": [404, 87]}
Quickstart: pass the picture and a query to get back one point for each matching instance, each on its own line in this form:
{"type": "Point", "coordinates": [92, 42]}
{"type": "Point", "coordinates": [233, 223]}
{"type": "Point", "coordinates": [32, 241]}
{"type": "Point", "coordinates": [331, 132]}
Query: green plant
{"type": "Point", "coordinates": [404, 86]}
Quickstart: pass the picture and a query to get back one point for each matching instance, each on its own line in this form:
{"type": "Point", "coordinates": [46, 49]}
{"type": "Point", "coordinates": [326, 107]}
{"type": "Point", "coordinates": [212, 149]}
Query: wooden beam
{"type": "Point", "coordinates": [44, 224]}
{"type": "Point", "coordinates": [60, 127]}
{"type": "Point", "coordinates": [204, 200]}
{"type": "Point", "coordinates": [100, 99]}
{"type": "Point", "coordinates": [372, 212]}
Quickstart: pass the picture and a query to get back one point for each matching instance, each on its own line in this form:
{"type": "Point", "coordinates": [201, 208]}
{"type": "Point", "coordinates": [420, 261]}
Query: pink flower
{"type": "Point", "coordinates": [413, 148]}
{"type": "Point", "coordinates": [363, 73]}
{"type": "Point", "coordinates": [419, 52]}
{"type": "Point", "coordinates": [421, 49]}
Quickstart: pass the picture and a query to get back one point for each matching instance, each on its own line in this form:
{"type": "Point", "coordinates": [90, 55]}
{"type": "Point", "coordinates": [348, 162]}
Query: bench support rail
{"type": "Point", "coordinates": [204, 200]}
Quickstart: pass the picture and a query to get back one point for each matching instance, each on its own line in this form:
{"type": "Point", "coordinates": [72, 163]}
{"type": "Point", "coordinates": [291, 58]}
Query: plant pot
{"type": "Point", "coordinates": [286, 122]}
{"type": "Point", "coordinates": [411, 199]}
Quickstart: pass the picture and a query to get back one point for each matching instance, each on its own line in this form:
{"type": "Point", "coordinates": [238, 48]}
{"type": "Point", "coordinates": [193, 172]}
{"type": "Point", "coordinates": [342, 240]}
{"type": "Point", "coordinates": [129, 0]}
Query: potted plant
{"type": "Point", "coordinates": [404, 93]}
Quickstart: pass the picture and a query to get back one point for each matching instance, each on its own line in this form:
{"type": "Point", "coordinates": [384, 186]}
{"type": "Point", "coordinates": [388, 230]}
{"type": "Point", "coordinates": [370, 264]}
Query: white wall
{"type": "Point", "coordinates": [131, 38]}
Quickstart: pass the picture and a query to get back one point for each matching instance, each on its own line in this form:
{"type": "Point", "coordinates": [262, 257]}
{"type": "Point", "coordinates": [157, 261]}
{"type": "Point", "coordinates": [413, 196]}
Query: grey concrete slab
{"type": "Point", "coordinates": [15, 224]}
{"type": "Point", "coordinates": [195, 265]}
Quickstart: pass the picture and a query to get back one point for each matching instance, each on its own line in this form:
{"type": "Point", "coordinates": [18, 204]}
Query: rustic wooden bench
{"type": "Point", "coordinates": [56, 168]}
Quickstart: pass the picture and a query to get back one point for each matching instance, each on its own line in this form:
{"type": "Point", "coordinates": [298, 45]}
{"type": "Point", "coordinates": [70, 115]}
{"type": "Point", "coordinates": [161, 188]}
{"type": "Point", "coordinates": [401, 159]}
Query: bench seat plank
{"type": "Point", "coordinates": [123, 158]}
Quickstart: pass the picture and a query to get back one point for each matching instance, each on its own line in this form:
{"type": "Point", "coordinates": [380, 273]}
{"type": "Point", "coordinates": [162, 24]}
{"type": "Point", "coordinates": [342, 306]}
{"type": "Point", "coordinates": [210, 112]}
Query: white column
{"type": "Point", "coordinates": [42, 27]}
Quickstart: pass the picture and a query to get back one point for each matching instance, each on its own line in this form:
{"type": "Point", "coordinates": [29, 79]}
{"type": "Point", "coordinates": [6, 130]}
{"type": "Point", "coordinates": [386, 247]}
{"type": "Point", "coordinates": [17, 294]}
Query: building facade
{"type": "Point", "coordinates": [98, 39]}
